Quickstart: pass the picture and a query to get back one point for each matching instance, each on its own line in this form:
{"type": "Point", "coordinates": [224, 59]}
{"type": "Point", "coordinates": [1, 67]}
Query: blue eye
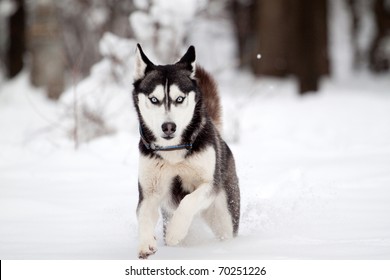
{"type": "Point", "coordinates": [154, 100]}
{"type": "Point", "coordinates": [180, 99]}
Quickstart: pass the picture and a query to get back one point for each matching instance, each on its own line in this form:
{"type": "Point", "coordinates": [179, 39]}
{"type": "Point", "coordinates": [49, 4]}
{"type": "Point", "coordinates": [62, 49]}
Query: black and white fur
{"type": "Point", "coordinates": [196, 176]}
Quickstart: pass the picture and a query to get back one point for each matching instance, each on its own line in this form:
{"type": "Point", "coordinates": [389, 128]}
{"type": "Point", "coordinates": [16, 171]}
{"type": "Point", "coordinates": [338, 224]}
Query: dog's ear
{"type": "Point", "coordinates": [142, 64]}
{"type": "Point", "coordinates": [188, 60]}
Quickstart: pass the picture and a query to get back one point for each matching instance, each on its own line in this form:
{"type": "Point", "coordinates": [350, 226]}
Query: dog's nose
{"type": "Point", "coordinates": [168, 128]}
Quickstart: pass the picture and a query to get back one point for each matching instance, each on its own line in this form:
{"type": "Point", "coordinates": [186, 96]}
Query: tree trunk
{"type": "Point", "coordinates": [270, 38]}
{"type": "Point", "coordinates": [379, 59]}
{"type": "Point", "coordinates": [310, 60]}
{"type": "Point", "coordinates": [17, 40]}
{"type": "Point", "coordinates": [47, 55]}
{"type": "Point", "coordinates": [289, 35]}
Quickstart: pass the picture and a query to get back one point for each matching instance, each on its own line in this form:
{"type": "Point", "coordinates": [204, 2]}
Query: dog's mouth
{"type": "Point", "coordinates": [168, 137]}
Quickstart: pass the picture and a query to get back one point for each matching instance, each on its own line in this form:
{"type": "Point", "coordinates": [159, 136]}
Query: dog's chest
{"type": "Point", "coordinates": [194, 170]}
{"type": "Point", "coordinates": [191, 175]}
{"type": "Point", "coordinates": [158, 174]}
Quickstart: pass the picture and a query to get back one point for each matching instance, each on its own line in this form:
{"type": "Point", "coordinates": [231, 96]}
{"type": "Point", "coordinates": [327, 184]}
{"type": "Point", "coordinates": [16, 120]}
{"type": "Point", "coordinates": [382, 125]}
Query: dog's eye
{"type": "Point", "coordinates": [180, 99]}
{"type": "Point", "coordinates": [154, 100]}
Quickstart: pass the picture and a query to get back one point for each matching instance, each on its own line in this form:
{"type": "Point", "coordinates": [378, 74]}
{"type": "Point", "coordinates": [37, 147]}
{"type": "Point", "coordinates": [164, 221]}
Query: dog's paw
{"type": "Point", "coordinates": [147, 248]}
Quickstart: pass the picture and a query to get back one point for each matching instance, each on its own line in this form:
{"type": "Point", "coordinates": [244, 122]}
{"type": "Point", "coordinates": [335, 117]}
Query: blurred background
{"type": "Point", "coordinates": [81, 52]}
{"type": "Point", "coordinates": [57, 42]}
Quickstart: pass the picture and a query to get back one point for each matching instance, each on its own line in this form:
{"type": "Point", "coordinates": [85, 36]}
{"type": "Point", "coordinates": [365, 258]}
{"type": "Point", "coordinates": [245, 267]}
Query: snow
{"type": "Point", "coordinates": [102, 98]}
{"type": "Point", "coordinates": [7, 8]}
{"type": "Point", "coordinates": [163, 27]}
{"type": "Point", "coordinates": [142, 25]}
{"type": "Point", "coordinates": [314, 175]}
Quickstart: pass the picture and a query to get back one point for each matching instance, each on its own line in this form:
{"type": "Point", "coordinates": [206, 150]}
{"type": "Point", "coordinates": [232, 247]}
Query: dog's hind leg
{"type": "Point", "coordinates": [218, 218]}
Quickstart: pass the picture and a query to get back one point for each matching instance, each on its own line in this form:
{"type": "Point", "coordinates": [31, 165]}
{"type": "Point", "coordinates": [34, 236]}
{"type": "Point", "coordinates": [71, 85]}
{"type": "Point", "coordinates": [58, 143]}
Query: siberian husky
{"type": "Point", "coordinates": [185, 168]}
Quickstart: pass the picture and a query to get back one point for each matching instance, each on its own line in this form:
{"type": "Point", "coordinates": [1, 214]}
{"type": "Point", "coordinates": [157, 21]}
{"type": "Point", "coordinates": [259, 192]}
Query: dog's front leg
{"type": "Point", "coordinates": [147, 214]}
{"type": "Point", "coordinates": [191, 204]}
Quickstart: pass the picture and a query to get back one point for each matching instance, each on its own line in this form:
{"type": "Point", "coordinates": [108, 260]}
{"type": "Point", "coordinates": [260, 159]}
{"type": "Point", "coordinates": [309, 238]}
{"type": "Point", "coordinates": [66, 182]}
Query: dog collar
{"type": "Point", "coordinates": [154, 147]}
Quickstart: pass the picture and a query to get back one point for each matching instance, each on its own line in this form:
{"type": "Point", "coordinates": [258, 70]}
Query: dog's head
{"type": "Point", "coordinates": [165, 96]}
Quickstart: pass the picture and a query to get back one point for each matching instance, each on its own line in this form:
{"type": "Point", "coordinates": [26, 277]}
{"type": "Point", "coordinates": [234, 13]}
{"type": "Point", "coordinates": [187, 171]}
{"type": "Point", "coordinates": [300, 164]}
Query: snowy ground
{"type": "Point", "coordinates": [314, 175]}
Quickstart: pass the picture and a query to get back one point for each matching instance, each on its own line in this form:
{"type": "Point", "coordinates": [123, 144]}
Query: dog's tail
{"type": "Point", "coordinates": [211, 100]}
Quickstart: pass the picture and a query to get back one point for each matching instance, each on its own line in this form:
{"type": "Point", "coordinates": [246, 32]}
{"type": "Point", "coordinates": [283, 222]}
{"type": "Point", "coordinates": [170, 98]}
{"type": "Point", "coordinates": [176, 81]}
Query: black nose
{"type": "Point", "coordinates": [168, 128]}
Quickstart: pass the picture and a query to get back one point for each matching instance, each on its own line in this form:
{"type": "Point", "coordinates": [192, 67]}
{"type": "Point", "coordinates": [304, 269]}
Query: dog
{"type": "Point", "coordinates": [185, 168]}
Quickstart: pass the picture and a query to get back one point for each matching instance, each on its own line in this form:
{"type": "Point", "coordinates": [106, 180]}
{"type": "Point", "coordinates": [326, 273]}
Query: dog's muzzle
{"type": "Point", "coordinates": [169, 128]}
